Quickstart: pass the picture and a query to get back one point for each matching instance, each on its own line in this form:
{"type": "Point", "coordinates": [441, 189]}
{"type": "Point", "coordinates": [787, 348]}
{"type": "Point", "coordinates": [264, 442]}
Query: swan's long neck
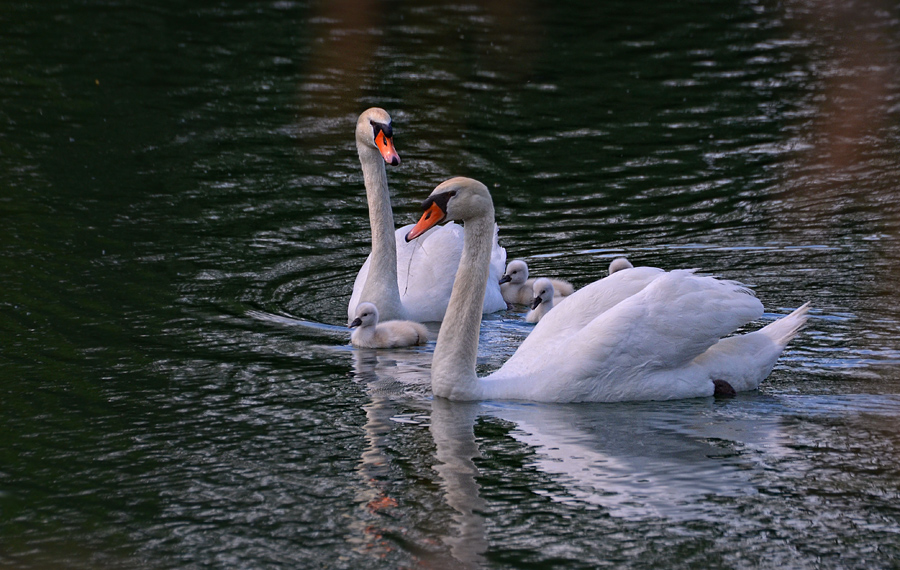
{"type": "Point", "coordinates": [453, 367]}
{"type": "Point", "coordinates": [381, 284]}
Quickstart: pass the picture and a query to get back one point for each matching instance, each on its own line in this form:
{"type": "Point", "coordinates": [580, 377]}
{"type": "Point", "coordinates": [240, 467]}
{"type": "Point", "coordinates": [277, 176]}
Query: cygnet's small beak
{"type": "Point", "coordinates": [505, 279]}
{"type": "Point", "coordinates": [356, 322]}
{"type": "Point", "coordinates": [537, 301]}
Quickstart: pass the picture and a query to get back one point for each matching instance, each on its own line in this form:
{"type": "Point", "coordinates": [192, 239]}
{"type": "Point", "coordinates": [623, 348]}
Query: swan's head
{"type": "Point", "coordinates": [366, 316]}
{"type": "Point", "coordinates": [374, 130]}
{"type": "Point", "coordinates": [543, 292]}
{"type": "Point", "coordinates": [516, 272]}
{"type": "Point", "coordinates": [457, 199]}
{"type": "Point", "coordinates": [618, 264]}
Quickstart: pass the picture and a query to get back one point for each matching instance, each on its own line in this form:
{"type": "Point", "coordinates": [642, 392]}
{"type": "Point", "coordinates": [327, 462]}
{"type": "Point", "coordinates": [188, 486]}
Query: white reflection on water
{"type": "Point", "coordinates": [452, 426]}
{"type": "Point", "coordinates": [638, 461]}
{"type": "Point", "coordinates": [690, 460]}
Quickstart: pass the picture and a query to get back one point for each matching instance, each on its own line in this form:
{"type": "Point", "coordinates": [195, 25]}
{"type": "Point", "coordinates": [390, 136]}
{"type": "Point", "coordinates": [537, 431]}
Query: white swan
{"type": "Point", "coordinates": [618, 264]}
{"type": "Point", "coordinates": [518, 289]}
{"type": "Point", "coordinates": [406, 280]}
{"type": "Point", "coordinates": [543, 300]}
{"type": "Point", "coordinates": [370, 333]}
{"type": "Point", "coordinates": [639, 334]}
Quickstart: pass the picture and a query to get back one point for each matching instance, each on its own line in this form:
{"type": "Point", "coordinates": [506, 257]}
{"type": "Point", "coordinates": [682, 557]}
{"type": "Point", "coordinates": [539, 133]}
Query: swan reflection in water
{"type": "Point", "coordinates": [388, 376]}
{"type": "Point", "coordinates": [396, 381]}
{"type": "Point", "coordinates": [656, 459]}
{"type": "Point", "coordinates": [641, 459]}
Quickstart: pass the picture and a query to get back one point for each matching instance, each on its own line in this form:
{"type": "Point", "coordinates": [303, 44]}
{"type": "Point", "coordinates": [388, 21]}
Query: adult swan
{"type": "Point", "coordinates": [639, 334]}
{"type": "Point", "coordinates": [407, 281]}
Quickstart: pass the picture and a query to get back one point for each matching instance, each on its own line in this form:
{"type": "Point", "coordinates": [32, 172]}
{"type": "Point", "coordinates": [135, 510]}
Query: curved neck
{"type": "Point", "coordinates": [453, 367]}
{"type": "Point", "coordinates": [381, 284]}
{"type": "Point", "coordinates": [543, 309]}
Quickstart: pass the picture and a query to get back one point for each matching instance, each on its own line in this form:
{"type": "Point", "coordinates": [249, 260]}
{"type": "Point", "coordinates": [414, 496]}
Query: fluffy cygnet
{"type": "Point", "coordinates": [518, 289]}
{"type": "Point", "coordinates": [542, 301]}
{"type": "Point", "coordinates": [370, 333]}
{"type": "Point", "coordinates": [618, 264]}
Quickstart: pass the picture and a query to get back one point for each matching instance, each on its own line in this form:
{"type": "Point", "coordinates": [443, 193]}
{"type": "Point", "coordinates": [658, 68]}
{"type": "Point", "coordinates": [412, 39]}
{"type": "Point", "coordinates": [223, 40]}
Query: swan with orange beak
{"type": "Point", "coordinates": [406, 281]}
{"type": "Point", "coordinates": [640, 334]}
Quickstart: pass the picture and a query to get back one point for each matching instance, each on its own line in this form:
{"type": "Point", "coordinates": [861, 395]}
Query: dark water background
{"type": "Point", "coordinates": [183, 214]}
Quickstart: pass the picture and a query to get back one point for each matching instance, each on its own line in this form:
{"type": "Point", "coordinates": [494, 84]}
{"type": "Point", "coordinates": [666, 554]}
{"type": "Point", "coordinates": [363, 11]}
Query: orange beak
{"type": "Point", "coordinates": [386, 146]}
{"type": "Point", "coordinates": [430, 218]}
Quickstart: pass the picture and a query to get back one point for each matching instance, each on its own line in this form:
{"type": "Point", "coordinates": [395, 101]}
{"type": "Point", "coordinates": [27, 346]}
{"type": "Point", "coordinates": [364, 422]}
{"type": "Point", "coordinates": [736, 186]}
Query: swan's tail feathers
{"type": "Point", "coordinates": [786, 328]}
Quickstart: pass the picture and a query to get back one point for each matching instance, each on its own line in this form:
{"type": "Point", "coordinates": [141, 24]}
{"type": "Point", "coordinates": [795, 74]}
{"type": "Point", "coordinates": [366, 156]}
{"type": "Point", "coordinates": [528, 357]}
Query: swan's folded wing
{"type": "Point", "coordinates": [667, 324]}
{"type": "Point", "coordinates": [579, 309]}
{"type": "Point", "coordinates": [662, 327]}
{"type": "Point", "coordinates": [426, 269]}
{"type": "Point", "coordinates": [493, 297]}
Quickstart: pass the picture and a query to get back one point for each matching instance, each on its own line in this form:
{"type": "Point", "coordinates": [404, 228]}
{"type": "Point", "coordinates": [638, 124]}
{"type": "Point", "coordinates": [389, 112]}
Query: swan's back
{"type": "Point", "coordinates": [670, 322]}
{"type": "Point", "coordinates": [625, 331]}
{"type": "Point", "coordinates": [574, 312]}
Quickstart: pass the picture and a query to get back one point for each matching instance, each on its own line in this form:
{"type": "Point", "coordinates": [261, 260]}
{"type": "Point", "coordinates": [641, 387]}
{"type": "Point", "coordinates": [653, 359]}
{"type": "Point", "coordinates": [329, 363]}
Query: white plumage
{"type": "Point", "coordinates": [518, 288]}
{"type": "Point", "coordinates": [407, 280]}
{"type": "Point", "coordinates": [638, 334]}
{"type": "Point", "coordinates": [542, 301]}
{"type": "Point", "coordinates": [425, 273]}
{"type": "Point", "coordinates": [618, 264]}
{"type": "Point", "coordinates": [370, 333]}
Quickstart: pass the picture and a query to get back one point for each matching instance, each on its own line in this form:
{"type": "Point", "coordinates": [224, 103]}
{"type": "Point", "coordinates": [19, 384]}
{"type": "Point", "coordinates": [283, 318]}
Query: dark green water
{"type": "Point", "coordinates": [183, 215]}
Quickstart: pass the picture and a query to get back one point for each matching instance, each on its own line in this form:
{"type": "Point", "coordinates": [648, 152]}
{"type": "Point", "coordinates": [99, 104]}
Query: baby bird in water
{"type": "Point", "coordinates": [370, 333]}
{"type": "Point", "coordinates": [543, 300]}
{"type": "Point", "coordinates": [518, 289]}
{"type": "Point", "coordinates": [618, 264]}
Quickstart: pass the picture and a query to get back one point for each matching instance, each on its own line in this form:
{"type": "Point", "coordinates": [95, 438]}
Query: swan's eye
{"type": "Point", "coordinates": [436, 205]}
{"type": "Point", "coordinates": [451, 193]}
{"type": "Point", "coordinates": [381, 128]}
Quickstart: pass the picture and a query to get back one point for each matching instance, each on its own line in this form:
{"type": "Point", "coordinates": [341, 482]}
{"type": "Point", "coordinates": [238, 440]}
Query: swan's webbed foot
{"type": "Point", "coordinates": [723, 389]}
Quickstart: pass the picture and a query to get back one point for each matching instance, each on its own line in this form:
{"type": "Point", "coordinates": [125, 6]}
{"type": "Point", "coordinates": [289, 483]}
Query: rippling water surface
{"type": "Point", "coordinates": [183, 216]}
